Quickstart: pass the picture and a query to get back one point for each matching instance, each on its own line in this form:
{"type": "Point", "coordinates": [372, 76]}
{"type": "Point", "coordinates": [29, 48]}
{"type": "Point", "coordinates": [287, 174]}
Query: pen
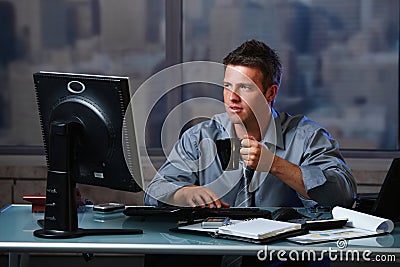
{"type": "Point", "coordinates": [226, 221]}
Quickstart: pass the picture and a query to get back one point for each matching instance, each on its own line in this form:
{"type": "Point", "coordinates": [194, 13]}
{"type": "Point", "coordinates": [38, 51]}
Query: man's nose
{"type": "Point", "coordinates": [233, 96]}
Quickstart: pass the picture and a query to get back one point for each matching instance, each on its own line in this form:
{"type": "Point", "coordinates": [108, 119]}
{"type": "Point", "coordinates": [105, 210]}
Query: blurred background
{"type": "Point", "coordinates": [340, 58]}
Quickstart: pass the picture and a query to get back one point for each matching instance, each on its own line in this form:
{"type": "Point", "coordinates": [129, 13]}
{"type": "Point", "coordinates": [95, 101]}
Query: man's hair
{"type": "Point", "coordinates": [256, 54]}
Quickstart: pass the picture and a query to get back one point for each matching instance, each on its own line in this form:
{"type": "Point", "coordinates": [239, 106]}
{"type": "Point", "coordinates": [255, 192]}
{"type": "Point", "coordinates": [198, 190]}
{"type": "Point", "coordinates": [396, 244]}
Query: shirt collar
{"type": "Point", "coordinates": [274, 136]}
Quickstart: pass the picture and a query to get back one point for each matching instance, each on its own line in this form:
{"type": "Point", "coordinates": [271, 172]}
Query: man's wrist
{"type": "Point", "coordinates": [179, 197]}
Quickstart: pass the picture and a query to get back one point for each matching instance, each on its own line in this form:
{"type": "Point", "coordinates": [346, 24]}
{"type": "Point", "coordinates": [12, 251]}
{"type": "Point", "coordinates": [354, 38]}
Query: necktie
{"type": "Point", "coordinates": [244, 198]}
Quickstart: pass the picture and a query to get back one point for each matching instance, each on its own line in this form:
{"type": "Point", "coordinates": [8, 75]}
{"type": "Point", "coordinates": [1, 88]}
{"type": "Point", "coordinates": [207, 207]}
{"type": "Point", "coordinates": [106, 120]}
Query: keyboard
{"type": "Point", "coordinates": [190, 213]}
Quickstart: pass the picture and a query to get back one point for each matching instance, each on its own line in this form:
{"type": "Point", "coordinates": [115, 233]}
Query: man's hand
{"type": "Point", "coordinates": [256, 155]}
{"type": "Point", "coordinates": [198, 196]}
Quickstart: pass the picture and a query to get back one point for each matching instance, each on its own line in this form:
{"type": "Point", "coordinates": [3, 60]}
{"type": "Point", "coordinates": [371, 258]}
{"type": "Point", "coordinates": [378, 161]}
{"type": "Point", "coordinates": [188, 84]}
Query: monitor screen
{"type": "Point", "coordinates": [386, 205]}
{"type": "Point", "coordinates": [86, 140]}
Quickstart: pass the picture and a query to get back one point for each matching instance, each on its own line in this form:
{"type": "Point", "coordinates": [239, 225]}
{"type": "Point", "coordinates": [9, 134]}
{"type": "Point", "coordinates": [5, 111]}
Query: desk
{"type": "Point", "coordinates": [18, 223]}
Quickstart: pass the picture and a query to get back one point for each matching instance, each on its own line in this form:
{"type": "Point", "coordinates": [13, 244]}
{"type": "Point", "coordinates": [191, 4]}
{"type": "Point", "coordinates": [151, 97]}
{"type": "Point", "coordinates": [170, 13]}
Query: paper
{"type": "Point", "coordinates": [359, 225]}
{"type": "Point", "coordinates": [363, 221]}
{"type": "Point", "coordinates": [259, 228]}
{"type": "Point", "coordinates": [331, 235]}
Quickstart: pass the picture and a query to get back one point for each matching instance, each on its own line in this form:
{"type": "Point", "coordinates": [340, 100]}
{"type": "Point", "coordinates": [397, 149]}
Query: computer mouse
{"type": "Point", "coordinates": [286, 214]}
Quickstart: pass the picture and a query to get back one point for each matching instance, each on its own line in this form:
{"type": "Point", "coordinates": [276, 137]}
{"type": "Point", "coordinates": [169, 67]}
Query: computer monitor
{"type": "Point", "coordinates": [83, 125]}
{"type": "Point", "coordinates": [387, 203]}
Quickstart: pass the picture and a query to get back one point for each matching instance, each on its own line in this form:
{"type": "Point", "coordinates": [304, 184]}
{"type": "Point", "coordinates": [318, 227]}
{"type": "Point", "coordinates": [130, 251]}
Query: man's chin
{"type": "Point", "coordinates": [235, 119]}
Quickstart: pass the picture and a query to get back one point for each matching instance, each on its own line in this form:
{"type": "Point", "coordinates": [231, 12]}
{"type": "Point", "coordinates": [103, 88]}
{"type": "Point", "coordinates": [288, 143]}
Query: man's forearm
{"type": "Point", "coordinates": [195, 195]}
{"type": "Point", "coordinates": [289, 173]}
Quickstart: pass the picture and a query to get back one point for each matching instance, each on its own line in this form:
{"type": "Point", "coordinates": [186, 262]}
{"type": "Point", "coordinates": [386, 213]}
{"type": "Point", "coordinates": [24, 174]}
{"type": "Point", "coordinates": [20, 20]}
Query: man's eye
{"type": "Point", "coordinates": [227, 85]}
{"type": "Point", "coordinates": [245, 87]}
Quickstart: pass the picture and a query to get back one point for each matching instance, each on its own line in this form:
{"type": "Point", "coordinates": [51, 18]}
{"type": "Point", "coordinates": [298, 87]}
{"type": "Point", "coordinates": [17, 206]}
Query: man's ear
{"type": "Point", "coordinates": [271, 92]}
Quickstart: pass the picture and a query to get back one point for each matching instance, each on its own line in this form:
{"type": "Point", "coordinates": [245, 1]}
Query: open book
{"type": "Point", "coordinates": [258, 230]}
{"type": "Point", "coordinates": [358, 225]}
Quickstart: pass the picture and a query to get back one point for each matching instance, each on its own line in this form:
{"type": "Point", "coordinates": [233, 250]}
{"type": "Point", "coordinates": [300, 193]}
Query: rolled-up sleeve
{"type": "Point", "coordinates": [327, 178]}
{"type": "Point", "coordinates": [179, 170]}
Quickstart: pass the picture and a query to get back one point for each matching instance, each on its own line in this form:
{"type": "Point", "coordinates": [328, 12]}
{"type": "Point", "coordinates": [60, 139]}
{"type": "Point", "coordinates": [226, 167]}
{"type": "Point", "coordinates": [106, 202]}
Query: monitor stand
{"type": "Point", "coordinates": [60, 217]}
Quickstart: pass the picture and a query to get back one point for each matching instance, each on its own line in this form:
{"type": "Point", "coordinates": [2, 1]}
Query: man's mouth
{"type": "Point", "coordinates": [235, 109]}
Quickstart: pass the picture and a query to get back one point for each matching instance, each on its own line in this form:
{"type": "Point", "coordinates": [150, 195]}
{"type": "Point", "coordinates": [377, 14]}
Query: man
{"type": "Point", "coordinates": [296, 164]}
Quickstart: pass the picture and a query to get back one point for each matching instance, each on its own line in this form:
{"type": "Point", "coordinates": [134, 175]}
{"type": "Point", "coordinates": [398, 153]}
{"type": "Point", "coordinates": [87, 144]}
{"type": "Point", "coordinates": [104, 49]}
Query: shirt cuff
{"type": "Point", "coordinates": [165, 190]}
{"type": "Point", "coordinates": [312, 177]}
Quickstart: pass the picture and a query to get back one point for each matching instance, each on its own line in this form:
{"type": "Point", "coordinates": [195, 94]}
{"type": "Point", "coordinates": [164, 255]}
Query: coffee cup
{"type": "Point", "coordinates": [228, 151]}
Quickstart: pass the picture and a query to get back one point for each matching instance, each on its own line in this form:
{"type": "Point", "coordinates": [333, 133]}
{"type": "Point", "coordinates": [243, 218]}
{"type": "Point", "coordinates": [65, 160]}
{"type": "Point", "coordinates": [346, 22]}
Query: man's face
{"type": "Point", "coordinates": [243, 94]}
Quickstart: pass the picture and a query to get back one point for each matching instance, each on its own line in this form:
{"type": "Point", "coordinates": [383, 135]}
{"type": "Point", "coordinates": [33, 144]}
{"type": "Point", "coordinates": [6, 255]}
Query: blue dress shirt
{"type": "Point", "coordinates": [193, 161]}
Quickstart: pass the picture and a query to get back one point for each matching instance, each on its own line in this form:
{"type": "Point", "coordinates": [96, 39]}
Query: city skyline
{"type": "Point", "coordinates": [328, 49]}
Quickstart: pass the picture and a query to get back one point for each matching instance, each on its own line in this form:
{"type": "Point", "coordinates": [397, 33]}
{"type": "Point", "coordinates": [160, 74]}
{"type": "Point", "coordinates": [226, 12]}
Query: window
{"type": "Point", "coordinates": [122, 38]}
{"type": "Point", "coordinates": [340, 58]}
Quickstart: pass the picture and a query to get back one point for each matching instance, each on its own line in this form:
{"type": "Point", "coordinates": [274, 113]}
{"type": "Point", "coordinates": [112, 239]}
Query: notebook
{"type": "Point", "coordinates": [258, 230]}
